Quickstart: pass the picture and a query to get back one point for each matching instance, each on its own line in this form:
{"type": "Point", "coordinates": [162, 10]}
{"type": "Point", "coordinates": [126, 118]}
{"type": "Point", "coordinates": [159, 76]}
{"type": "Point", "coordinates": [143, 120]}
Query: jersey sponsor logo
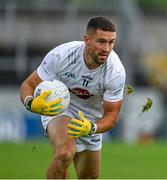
{"type": "Point", "coordinates": [70, 75]}
{"type": "Point", "coordinates": [95, 140]}
{"type": "Point", "coordinates": [116, 92]}
{"type": "Point", "coordinates": [81, 93]}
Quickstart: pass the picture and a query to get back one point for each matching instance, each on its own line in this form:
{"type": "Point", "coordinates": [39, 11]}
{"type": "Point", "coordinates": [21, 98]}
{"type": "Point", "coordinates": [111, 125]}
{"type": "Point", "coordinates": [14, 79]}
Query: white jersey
{"type": "Point", "coordinates": [88, 88]}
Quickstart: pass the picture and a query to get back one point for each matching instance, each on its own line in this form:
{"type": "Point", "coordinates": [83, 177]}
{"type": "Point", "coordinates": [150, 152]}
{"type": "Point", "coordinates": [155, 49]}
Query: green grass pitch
{"type": "Point", "coordinates": [119, 161]}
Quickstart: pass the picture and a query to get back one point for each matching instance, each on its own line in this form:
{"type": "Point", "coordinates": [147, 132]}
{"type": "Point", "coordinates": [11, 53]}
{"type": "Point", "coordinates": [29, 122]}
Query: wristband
{"type": "Point", "coordinates": [93, 129]}
{"type": "Point", "coordinates": [27, 102]}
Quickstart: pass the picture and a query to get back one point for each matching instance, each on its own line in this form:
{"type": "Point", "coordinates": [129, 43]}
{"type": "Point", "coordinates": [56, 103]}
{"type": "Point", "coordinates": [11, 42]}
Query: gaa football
{"type": "Point", "coordinates": [59, 90]}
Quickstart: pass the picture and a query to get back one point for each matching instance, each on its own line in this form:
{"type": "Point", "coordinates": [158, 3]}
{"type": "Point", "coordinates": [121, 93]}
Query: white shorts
{"type": "Point", "coordinates": [92, 143]}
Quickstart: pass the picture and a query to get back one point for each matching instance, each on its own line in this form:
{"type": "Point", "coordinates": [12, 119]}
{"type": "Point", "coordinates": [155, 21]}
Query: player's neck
{"type": "Point", "coordinates": [89, 61]}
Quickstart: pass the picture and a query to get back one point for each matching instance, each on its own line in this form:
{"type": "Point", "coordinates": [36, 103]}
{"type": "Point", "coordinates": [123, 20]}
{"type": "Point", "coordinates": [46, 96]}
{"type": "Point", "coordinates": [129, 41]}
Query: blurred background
{"type": "Point", "coordinates": [31, 28]}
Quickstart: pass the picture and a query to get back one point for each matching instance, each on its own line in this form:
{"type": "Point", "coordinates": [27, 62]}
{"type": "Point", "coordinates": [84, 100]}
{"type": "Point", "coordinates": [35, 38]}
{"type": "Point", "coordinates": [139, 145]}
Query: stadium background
{"type": "Point", "coordinates": [137, 146]}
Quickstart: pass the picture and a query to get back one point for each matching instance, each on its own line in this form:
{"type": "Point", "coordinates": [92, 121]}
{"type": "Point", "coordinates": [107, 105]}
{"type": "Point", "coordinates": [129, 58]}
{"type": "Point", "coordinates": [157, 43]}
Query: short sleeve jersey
{"type": "Point", "coordinates": [88, 88]}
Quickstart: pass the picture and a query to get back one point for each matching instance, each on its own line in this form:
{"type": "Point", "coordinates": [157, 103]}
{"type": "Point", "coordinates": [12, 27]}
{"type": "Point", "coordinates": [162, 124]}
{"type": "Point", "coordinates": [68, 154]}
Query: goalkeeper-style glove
{"type": "Point", "coordinates": [81, 127]}
{"type": "Point", "coordinates": [40, 106]}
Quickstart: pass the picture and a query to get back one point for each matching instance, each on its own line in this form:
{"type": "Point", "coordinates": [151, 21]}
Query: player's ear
{"type": "Point", "coordinates": [86, 39]}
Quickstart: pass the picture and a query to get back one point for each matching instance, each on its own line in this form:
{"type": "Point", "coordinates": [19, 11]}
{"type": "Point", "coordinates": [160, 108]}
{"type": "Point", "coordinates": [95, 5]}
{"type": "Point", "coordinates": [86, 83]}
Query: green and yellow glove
{"type": "Point", "coordinates": [40, 106]}
{"type": "Point", "coordinates": [81, 127]}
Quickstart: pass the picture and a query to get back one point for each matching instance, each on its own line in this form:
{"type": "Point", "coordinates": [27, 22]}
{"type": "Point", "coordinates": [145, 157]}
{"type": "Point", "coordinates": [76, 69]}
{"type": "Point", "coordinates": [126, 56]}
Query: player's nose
{"type": "Point", "coordinates": [106, 47]}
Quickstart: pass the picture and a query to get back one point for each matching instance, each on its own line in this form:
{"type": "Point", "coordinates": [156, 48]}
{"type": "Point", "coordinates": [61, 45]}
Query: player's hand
{"type": "Point", "coordinates": [41, 106]}
{"type": "Point", "coordinates": [79, 127]}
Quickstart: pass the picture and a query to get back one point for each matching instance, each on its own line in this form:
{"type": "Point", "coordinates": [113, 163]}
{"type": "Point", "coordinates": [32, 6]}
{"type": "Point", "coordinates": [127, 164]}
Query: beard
{"type": "Point", "coordinates": [99, 59]}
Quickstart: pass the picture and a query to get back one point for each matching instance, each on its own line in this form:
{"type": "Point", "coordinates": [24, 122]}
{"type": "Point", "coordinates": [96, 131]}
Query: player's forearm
{"type": "Point", "coordinates": [26, 90]}
{"type": "Point", "coordinates": [83, 126]}
{"type": "Point", "coordinates": [106, 123]}
{"type": "Point", "coordinates": [28, 86]}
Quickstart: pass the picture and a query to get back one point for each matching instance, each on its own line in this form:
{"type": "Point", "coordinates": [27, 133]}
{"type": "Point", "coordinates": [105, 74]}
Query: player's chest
{"type": "Point", "coordinates": [78, 80]}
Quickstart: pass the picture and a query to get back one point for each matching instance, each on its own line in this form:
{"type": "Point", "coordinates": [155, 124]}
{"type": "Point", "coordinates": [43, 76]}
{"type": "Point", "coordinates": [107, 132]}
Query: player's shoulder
{"type": "Point", "coordinates": [65, 50]}
{"type": "Point", "coordinates": [66, 47]}
{"type": "Point", "coordinates": [114, 62]}
{"type": "Point", "coordinates": [114, 69]}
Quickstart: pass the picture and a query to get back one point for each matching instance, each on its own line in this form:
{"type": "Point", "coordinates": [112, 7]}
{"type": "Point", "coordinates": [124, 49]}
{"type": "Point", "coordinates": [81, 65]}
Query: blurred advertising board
{"type": "Point", "coordinates": [16, 123]}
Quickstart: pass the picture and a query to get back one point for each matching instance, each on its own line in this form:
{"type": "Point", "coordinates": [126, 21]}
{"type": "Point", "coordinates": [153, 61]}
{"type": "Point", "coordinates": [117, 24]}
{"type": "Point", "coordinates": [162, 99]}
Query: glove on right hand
{"type": "Point", "coordinates": [39, 105]}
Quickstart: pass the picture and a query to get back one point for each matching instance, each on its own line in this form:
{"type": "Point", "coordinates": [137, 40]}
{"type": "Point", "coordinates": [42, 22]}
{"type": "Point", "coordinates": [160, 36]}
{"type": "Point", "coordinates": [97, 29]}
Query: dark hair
{"type": "Point", "coordinates": [101, 23]}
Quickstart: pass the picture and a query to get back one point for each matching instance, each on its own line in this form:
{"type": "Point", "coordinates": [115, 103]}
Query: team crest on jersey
{"type": "Point", "coordinates": [81, 93]}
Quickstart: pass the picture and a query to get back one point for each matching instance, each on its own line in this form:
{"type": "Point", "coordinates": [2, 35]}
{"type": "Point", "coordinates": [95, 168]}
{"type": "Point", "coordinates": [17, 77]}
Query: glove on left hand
{"type": "Point", "coordinates": [79, 127]}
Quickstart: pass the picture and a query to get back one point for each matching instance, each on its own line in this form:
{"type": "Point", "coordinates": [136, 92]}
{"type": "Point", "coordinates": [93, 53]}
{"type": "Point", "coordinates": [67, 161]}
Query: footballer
{"type": "Point", "coordinates": [95, 77]}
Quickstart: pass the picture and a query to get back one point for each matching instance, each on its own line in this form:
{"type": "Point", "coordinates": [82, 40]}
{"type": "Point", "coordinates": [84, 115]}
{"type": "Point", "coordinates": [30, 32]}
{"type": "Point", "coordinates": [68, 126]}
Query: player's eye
{"type": "Point", "coordinates": [101, 41]}
{"type": "Point", "coordinates": [111, 42]}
